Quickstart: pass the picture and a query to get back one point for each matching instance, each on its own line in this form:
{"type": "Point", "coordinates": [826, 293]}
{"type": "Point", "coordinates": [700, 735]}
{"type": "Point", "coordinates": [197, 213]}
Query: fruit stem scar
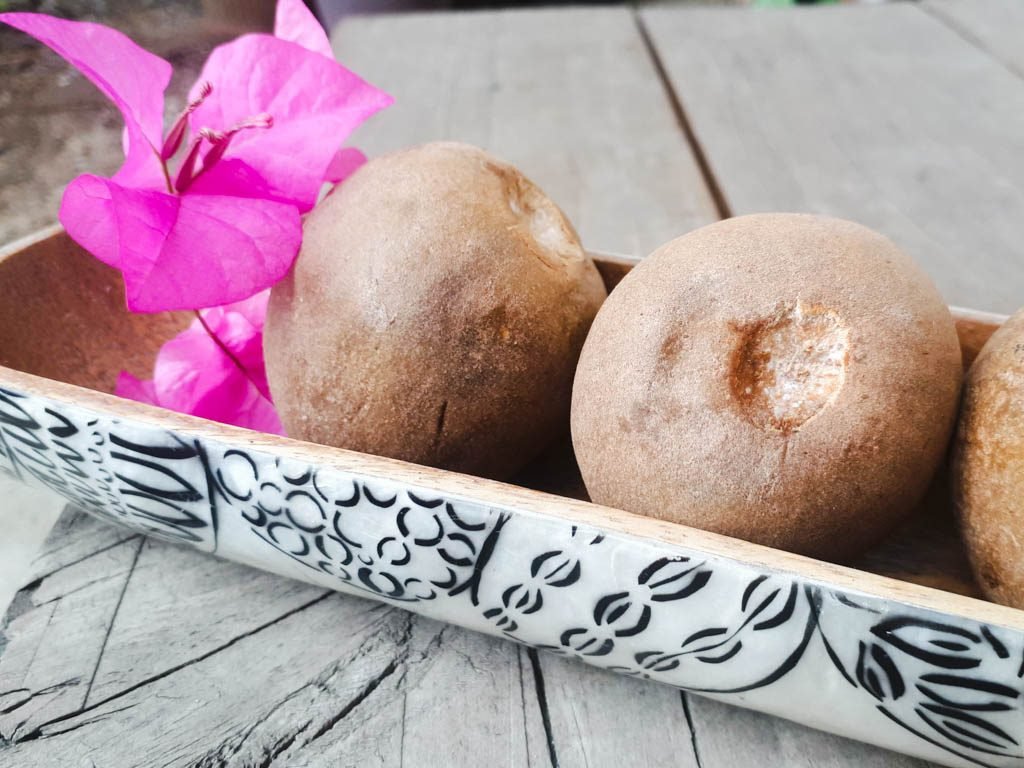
{"type": "Point", "coordinates": [789, 366]}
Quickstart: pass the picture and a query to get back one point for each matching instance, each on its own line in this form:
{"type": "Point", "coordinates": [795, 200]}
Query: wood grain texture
{"type": "Point", "coordinates": [26, 517]}
{"type": "Point", "coordinates": [605, 720]}
{"type": "Point", "coordinates": [231, 666]}
{"type": "Point", "coordinates": [729, 737]}
{"type": "Point", "coordinates": [568, 96]}
{"type": "Point", "coordinates": [54, 636]}
{"type": "Point", "coordinates": [63, 315]}
{"type": "Point", "coordinates": [996, 26]}
{"type": "Point", "coordinates": [882, 114]}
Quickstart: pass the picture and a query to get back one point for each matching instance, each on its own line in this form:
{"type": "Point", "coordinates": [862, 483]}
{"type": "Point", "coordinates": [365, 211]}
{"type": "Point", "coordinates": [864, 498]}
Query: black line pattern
{"type": "Point", "coordinates": [950, 685]}
{"type": "Point", "coordinates": [400, 546]}
{"type": "Point", "coordinates": [907, 678]}
{"type": "Point", "coordinates": [156, 483]}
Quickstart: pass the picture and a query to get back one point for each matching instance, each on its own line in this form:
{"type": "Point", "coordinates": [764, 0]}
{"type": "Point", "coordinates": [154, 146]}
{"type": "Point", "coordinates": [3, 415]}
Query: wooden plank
{"type": "Point", "coordinates": [212, 603]}
{"type": "Point", "coordinates": [729, 737]}
{"type": "Point", "coordinates": [882, 114]}
{"type": "Point", "coordinates": [455, 698]}
{"type": "Point", "coordinates": [997, 26]}
{"type": "Point", "coordinates": [26, 517]}
{"type": "Point", "coordinates": [568, 96]}
{"type": "Point", "coordinates": [54, 635]}
{"type": "Point", "coordinates": [76, 536]}
{"type": "Point", "coordinates": [602, 720]}
{"type": "Point", "coordinates": [310, 665]}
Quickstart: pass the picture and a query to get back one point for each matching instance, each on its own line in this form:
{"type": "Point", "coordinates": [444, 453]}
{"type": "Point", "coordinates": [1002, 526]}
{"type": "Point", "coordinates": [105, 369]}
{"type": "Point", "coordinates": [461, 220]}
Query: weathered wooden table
{"type": "Point", "coordinates": [907, 117]}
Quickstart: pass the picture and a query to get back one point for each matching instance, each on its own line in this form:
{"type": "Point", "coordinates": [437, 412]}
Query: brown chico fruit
{"type": "Point", "coordinates": [988, 465]}
{"type": "Point", "coordinates": [435, 314]}
{"type": "Point", "coordinates": [782, 378]}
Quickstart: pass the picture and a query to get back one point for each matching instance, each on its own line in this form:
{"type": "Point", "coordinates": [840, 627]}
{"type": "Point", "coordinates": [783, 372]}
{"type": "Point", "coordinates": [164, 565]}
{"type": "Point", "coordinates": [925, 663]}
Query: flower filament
{"type": "Point", "coordinates": [191, 167]}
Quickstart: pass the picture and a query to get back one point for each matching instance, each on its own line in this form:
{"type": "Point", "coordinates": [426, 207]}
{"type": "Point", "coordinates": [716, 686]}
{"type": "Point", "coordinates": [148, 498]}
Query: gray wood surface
{"type": "Point", "coordinates": [879, 113]}
{"type": "Point", "coordinates": [997, 26]}
{"type": "Point", "coordinates": [26, 516]}
{"type": "Point", "coordinates": [568, 96]}
{"type": "Point", "coordinates": [123, 651]}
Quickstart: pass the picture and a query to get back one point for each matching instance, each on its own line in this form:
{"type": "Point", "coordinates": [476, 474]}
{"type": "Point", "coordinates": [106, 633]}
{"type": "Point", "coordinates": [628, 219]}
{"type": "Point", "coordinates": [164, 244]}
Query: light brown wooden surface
{"type": "Point", "coordinates": [201, 662]}
{"type": "Point", "coordinates": [63, 315]}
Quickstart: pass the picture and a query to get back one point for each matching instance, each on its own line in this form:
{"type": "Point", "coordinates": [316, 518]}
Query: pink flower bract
{"type": "Point", "coordinates": [260, 137]}
{"type": "Point", "coordinates": [268, 117]}
{"type": "Point", "coordinates": [294, 22]}
{"type": "Point", "coordinates": [308, 96]}
{"type": "Point", "coordinates": [194, 374]}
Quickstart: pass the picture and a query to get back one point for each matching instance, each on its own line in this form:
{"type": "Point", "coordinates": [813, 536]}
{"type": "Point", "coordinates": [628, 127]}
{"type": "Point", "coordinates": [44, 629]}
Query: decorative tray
{"type": "Point", "coordinates": [894, 650]}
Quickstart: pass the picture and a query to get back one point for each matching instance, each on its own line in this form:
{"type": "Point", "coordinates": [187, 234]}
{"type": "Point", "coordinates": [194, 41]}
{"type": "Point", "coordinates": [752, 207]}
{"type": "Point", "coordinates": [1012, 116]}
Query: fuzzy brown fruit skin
{"type": "Point", "coordinates": [679, 408]}
{"type": "Point", "coordinates": [988, 465]}
{"type": "Point", "coordinates": [435, 314]}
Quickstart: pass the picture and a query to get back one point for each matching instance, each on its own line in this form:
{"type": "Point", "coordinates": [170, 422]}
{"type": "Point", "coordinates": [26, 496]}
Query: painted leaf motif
{"type": "Point", "coordinates": [968, 729]}
{"type": "Point", "coordinates": [671, 578]}
{"type": "Point", "coordinates": [556, 568]}
{"type": "Point", "coordinates": [586, 642]}
{"type": "Point", "coordinates": [767, 606]}
{"type": "Point", "coordinates": [968, 693]}
{"type": "Point", "coordinates": [623, 612]}
{"type": "Point", "coordinates": [941, 645]}
{"type": "Point", "coordinates": [877, 673]}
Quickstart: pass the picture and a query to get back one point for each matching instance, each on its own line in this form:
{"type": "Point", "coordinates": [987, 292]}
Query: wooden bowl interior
{"type": "Point", "coordinates": [63, 317]}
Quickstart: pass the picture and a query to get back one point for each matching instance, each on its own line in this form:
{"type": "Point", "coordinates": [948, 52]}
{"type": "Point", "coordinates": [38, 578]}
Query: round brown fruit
{"type": "Point", "coordinates": [783, 378]}
{"type": "Point", "coordinates": [435, 314]}
{"type": "Point", "coordinates": [988, 467]}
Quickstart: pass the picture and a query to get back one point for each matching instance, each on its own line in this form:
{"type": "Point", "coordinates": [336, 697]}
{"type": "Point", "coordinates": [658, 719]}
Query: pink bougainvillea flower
{"type": "Point", "coordinates": [260, 137]}
{"type": "Point", "coordinates": [214, 369]}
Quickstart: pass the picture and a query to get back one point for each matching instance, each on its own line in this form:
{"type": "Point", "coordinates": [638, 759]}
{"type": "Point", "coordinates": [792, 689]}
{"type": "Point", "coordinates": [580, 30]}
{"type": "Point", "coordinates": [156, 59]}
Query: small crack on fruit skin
{"type": "Point", "coordinates": [788, 367]}
{"type": "Point", "coordinates": [439, 427]}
